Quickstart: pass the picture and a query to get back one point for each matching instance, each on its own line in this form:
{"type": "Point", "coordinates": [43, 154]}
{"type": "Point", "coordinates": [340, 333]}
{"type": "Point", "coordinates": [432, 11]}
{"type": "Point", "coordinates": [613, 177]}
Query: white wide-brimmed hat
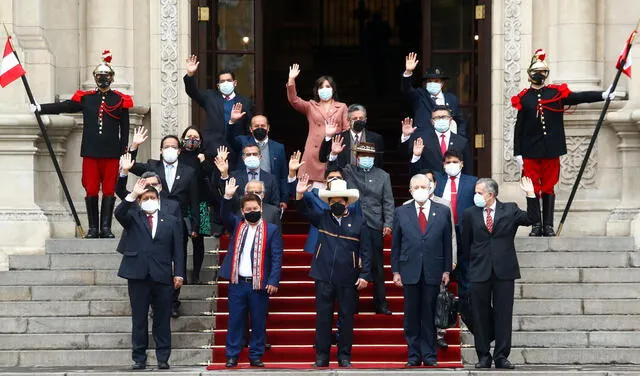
{"type": "Point", "coordinates": [339, 189]}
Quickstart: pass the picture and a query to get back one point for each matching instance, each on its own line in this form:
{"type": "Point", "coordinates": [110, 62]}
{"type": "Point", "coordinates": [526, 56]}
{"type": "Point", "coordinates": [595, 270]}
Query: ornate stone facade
{"type": "Point", "coordinates": [169, 66]}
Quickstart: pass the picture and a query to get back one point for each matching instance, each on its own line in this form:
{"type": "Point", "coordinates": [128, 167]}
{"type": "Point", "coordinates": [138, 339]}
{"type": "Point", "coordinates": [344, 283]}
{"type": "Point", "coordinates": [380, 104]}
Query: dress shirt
{"type": "Point", "coordinates": [245, 266]}
{"type": "Point", "coordinates": [447, 137]}
{"type": "Point", "coordinates": [170, 173]}
{"type": "Point", "coordinates": [446, 194]}
{"type": "Point", "coordinates": [438, 98]}
{"type": "Point", "coordinates": [361, 136]}
{"type": "Point", "coordinates": [426, 207]}
{"type": "Point", "coordinates": [249, 177]}
{"type": "Point", "coordinates": [155, 223]}
{"type": "Point", "coordinates": [493, 213]}
{"type": "Point", "coordinates": [231, 96]}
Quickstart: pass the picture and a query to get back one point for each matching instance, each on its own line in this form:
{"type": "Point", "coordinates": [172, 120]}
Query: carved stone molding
{"type": "Point", "coordinates": [169, 66]}
{"type": "Point", "coordinates": [512, 69]}
{"type": "Point", "coordinates": [570, 164]}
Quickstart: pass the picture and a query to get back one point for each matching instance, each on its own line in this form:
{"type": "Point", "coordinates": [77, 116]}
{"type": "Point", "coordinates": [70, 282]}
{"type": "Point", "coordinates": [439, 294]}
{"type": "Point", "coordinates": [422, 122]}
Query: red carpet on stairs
{"type": "Point", "coordinates": [378, 339]}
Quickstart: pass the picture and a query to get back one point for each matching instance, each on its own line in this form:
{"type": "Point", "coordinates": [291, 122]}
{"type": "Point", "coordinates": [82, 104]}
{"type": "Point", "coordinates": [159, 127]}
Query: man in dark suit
{"type": "Point", "coordinates": [357, 116]}
{"type": "Point", "coordinates": [424, 99]}
{"type": "Point", "coordinates": [273, 159]}
{"type": "Point", "coordinates": [219, 105]}
{"type": "Point", "coordinates": [180, 181]}
{"type": "Point", "coordinates": [270, 213]}
{"type": "Point", "coordinates": [436, 142]}
{"type": "Point", "coordinates": [153, 243]}
{"type": "Point", "coordinates": [420, 262]}
{"type": "Point", "coordinates": [488, 242]}
{"type": "Point", "coordinates": [252, 266]}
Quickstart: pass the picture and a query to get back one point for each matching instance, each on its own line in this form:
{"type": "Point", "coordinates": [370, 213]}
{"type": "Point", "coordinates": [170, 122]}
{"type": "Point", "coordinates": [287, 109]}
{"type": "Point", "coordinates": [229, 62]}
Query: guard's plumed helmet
{"type": "Point", "coordinates": [538, 61]}
{"type": "Point", "coordinates": [105, 66]}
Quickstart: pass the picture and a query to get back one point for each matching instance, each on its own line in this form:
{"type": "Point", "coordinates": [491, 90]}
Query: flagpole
{"type": "Point", "coordinates": [596, 131]}
{"type": "Point", "coordinates": [45, 135]}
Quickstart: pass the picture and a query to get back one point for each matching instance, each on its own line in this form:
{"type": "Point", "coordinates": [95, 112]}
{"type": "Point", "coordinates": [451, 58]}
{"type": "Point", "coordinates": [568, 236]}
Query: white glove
{"type": "Point", "coordinates": [519, 161]}
{"type": "Point", "coordinates": [609, 94]}
{"type": "Point", "coordinates": [34, 107]}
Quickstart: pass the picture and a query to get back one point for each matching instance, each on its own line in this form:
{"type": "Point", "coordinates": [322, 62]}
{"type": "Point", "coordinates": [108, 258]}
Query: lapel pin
{"type": "Point", "coordinates": [161, 220]}
{"type": "Point", "coordinates": [178, 177]}
{"type": "Point", "coordinates": [433, 215]}
{"type": "Point", "coordinates": [349, 225]}
{"type": "Point", "coordinates": [370, 181]}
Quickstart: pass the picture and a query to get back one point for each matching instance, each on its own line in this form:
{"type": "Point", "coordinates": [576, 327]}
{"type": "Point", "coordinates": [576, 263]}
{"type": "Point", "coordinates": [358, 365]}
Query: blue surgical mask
{"type": "Point", "coordinates": [479, 200]}
{"type": "Point", "coordinates": [365, 163]}
{"type": "Point", "coordinates": [252, 162]}
{"type": "Point", "coordinates": [441, 125]}
{"type": "Point", "coordinates": [226, 87]}
{"type": "Point", "coordinates": [434, 88]}
{"type": "Point", "coordinates": [325, 93]}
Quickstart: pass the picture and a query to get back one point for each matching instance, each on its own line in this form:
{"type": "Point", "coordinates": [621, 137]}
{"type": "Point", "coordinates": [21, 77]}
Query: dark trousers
{"type": "Point", "coordinates": [198, 255]}
{"type": "Point", "coordinates": [376, 244]}
{"type": "Point", "coordinates": [243, 298]}
{"type": "Point", "coordinates": [185, 240]}
{"type": "Point", "coordinates": [419, 320]}
{"type": "Point", "coordinates": [326, 294]}
{"type": "Point", "coordinates": [142, 294]}
{"type": "Point", "coordinates": [498, 294]}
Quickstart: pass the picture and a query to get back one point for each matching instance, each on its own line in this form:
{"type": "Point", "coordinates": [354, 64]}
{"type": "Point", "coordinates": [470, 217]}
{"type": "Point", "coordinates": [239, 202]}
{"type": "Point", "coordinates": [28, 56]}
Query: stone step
{"type": "Point", "coordinates": [188, 340]}
{"type": "Point", "coordinates": [577, 339]}
{"type": "Point", "coordinates": [93, 324]}
{"type": "Point", "coordinates": [577, 323]}
{"type": "Point", "coordinates": [575, 244]}
{"type": "Point", "coordinates": [583, 259]}
{"type": "Point", "coordinates": [562, 356]}
{"type": "Point", "coordinates": [579, 290]}
{"type": "Point", "coordinates": [73, 277]}
{"type": "Point", "coordinates": [89, 308]}
{"type": "Point", "coordinates": [90, 292]}
{"type": "Point", "coordinates": [97, 246]}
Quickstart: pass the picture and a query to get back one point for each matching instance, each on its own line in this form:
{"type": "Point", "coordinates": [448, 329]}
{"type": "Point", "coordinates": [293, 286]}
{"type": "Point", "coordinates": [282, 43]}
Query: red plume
{"type": "Point", "coordinates": [106, 56]}
{"type": "Point", "coordinates": [540, 54]}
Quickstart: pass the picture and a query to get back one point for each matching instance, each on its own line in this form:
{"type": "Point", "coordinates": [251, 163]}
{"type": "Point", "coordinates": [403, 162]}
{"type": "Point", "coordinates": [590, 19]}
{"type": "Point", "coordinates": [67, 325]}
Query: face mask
{"type": "Point", "coordinates": [365, 163]}
{"type": "Point", "coordinates": [191, 144]}
{"type": "Point", "coordinates": [434, 87]}
{"type": "Point", "coordinates": [337, 209]}
{"type": "Point", "coordinates": [150, 206]}
{"type": "Point", "coordinates": [479, 201]}
{"type": "Point", "coordinates": [103, 81]}
{"type": "Point", "coordinates": [325, 93]}
{"type": "Point", "coordinates": [253, 216]}
{"type": "Point", "coordinates": [420, 195]}
{"type": "Point", "coordinates": [441, 125]}
{"type": "Point", "coordinates": [260, 134]}
{"type": "Point", "coordinates": [252, 162]}
{"type": "Point", "coordinates": [170, 155]}
{"type": "Point", "coordinates": [452, 169]}
{"type": "Point", "coordinates": [358, 125]}
{"type": "Point", "coordinates": [226, 87]}
{"type": "Point", "coordinates": [537, 78]}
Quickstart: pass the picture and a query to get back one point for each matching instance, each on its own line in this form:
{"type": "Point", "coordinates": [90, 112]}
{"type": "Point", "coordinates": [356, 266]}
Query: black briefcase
{"type": "Point", "coordinates": [446, 309]}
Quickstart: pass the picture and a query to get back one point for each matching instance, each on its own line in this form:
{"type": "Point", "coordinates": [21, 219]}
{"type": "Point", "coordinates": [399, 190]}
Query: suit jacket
{"type": "Point", "coordinates": [271, 188]}
{"type": "Point", "coordinates": [376, 195]}
{"type": "Point", "coordinates": [169, 206]}
{"type": "Point", "coordinates": [454, 236]}
{"type": "Point", "coordinates": [273, 252]}
{"type": "Point", "coordinates": [422, 105]}
{"type": "Point", "coordinates": [184, 189]}
{"type": "Point", "coordinates": [270, 213]}
{"type": "Point", "coordinates": [146, 256]}
{"type": "Point", "coordinates": [464, 198]}
{"type": "Point", "coordinates": [414, 253]}
{"type": "Point", "coordinates": [344, 158]}
{"type": "Point", "coordinates": [215, 130]}
{"type": "Point", "coordinates": [495, 252]}
{"type": "Point", "coordinates": [278, 161]}
{"type": "Point", "coordinates": [431, 157]}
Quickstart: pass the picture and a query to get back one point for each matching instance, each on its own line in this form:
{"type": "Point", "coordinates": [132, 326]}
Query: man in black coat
{"type": "Point", "coordinates": [153, 248]}
{"type": "Point", "coordinates": [488, 244]}
{"type": "Point", "coordinates": [357, 117]}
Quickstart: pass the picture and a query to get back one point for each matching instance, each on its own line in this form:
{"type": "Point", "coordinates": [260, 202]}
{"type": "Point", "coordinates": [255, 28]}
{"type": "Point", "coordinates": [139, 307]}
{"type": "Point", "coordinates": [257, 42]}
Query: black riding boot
{"type": "Point", "coordinates": [536, 228]}
{"type": "Point", "coordinates": [92, 214]}
{"type": "Point", "coordinates": [106, 214]}
{"type": "Point", "coordinates": [548, 203]}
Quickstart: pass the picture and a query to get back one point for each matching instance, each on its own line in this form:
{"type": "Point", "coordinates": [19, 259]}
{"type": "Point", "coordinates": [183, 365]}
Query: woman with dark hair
{"type": "Point", "coordinates": [322, 109]}
{"type": "Point", "coordinates": [191, 155]}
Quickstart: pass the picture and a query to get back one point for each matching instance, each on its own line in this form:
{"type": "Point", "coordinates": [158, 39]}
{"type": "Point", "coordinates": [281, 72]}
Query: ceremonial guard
{"type": "Point", "coordinates": [539, 138]}
{"type": "Point", "coordinates": [105, 135]}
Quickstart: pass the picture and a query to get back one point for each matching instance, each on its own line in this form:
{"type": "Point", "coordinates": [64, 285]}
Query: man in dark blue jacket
{"type": "Point", "coordinates": [153, 243]}
{"type": "Point", "coordinates": [341, 266]}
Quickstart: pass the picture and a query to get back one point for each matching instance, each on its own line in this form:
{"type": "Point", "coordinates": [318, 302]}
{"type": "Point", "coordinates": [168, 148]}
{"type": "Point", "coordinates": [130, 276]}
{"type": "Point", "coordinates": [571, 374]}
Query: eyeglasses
{"type": "Point", "coordinates": [441, 117]}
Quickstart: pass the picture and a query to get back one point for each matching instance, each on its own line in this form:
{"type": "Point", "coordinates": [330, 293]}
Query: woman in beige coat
{"type": "Point", "coordinates": [321, 110]}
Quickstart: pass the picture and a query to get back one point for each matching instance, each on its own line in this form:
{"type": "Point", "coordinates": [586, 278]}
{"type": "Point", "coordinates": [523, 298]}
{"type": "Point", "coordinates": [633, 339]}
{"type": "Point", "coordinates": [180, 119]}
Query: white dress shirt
{"type": "Point", "coordinates": [493, 213]}
{"type": "Point", "coordinates": [245, 266]}
{"type": "Point", "coordinates": [170, 173]}
{"type": "Point", "coordinates": [426, 207]}
{"type": "Point", "coordinates": [439, 98]}
{"type": "Point", "coordinates": [447, 137]}
{"type": "Point", "coordinates": [447, 188]}
{"type": "Point", "coordinates": [155, 223]}
{"type": "Point", "coordinates": [231, 96]}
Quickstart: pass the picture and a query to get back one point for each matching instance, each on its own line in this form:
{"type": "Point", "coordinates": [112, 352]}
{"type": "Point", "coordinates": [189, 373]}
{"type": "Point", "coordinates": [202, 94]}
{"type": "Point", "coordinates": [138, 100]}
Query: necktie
{"type": "Point", "coordinates": [454, 199]}
{"type": "Point", "coordinates": [443, 144]}
{"type": "Point", "coordinates": [422, 220]}
{"type": "Point", "coordinates": [227, 97]}
{"type": "Point", "coordinates": [150, 219]}
{"type": "Point", "coordinates": [253, 175]}
{"type": "Point", "coordinates": [435, 99]}
{"type": "Point", "coordinates": [356, 140]}
{"type": "Point", "coordinates": [489, 220]}
{"type": "Point", "coordinates": [170, 175]}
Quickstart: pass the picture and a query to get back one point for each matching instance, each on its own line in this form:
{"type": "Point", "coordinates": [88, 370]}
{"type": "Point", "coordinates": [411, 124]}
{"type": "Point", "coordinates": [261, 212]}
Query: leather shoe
{"type": "Point", "coordinates": [484, 363]}
{"type": "Point", "coordinates": [174, 313]}
{"type": "Point", "coordinates": [137, 366]}
{"type": "Point", "coordinates": [504, 364]}
{"type": "Point", "coordinates": [231, 362]}
{"type": "Point", "coordinates": [413, 363]}
{"type": "Point", "coordinates": [442, 343]}
{"type": "Point", "coordinates": [267, 346]}
{"type": "Point", "coordinates": [256, 363]}
{"type": "Point", "coordinates": [344, 363]}
{"type": "Point", "coordinates": [321, 363]}
{"type": "Point", "coordinates": [430, 363]}
{"type": "Point", "coordinates": [163, 365]}
{"type": "Point", "coordinates": [383, 311]}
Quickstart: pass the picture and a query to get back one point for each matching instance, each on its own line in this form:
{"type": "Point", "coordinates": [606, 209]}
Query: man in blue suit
{"type": "Point", "coordinates": [252, 266]}
{"type": "Point", "coordinates": [420, 262]}
{"type": "Point", "coordinates": [153, 243]}
{"type": "Point", "coordinates": [424, 99]}
{"type": "Point", "coordinates": [273, 158]}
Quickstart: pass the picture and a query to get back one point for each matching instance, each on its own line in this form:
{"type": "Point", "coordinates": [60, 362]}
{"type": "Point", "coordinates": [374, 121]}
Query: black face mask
{"type": "Point", "coordinates": [260, 134]}
{"type": "Point", "coordinates": [359, 125]}
{"type": "Point", "coordinates": [103, 81]}
{"type": "Point", "coordinates": [191, 144]}
{"type": "Point", "coordinates": [253, 216]}
{"type": "Point", "coordinates": [537, 78]}
{"type": "Point", "coordinates": [337, 209]}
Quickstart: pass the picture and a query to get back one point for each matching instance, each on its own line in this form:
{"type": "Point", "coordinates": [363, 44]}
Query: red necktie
{"type": "Point", "coordinates": [443, 145]}
{"type": "Point", "coordinates": [454, 199]}
{"type": "Point", "coordinates": [227, 97]}
{"type": "Point", "coordinates": [422, 220]}
{"type": "Point", "coordinates": [150, 219]}
{"type": "Point", "coordinates": [489, 220]}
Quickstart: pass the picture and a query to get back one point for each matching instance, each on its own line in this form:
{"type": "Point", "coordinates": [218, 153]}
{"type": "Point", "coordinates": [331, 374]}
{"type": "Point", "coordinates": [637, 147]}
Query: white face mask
{"type": "Point", "coordinates": [452, 169]}
{"type": "Point", "coordinates": [421, 195]}
{"type": "Point", "coordinates": [325, 93]}
{"type": "Point", "coordinates": [150, 206]}
{"type": "Point", "coordinates": [252, 162]}
{"type": "Point", "coordinates": [170, 155]}
{"type": "Point", "coordinates": [434, 88]}
{"type": "Point", "coordinates": [226, 87]}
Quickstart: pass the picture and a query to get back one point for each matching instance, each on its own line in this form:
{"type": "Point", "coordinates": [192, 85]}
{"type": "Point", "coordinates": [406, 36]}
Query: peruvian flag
{"type": "Point", "coordinates": [626, 69]}
{"type": "Point", "coordinates": [10, 68]}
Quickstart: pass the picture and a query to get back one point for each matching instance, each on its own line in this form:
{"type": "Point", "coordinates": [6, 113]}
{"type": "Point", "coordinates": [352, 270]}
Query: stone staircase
{"type": "Point", "coordinates": [577, 303]}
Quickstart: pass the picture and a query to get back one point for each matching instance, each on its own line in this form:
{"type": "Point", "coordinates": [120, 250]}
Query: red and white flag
{"type": "Point", "coordinates": [626, 69]}
{"type": "Point", "coordinates": [10, 68]}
